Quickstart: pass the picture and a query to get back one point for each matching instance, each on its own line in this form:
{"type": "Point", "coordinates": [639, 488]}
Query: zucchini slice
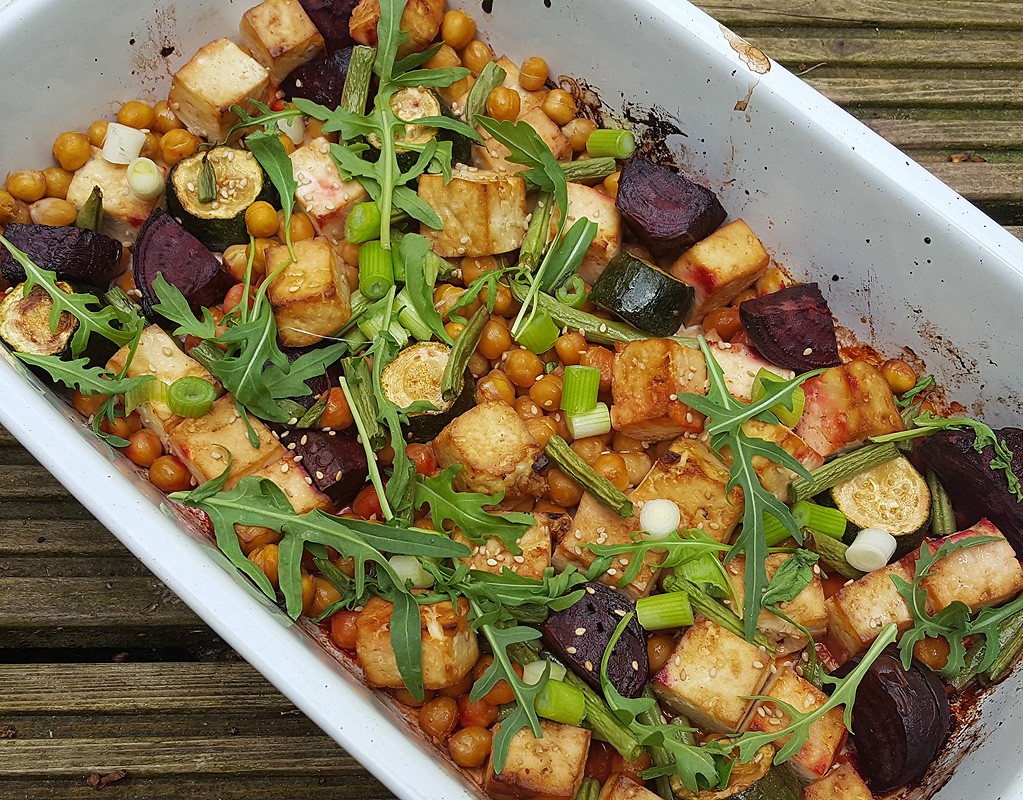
{"type": "Point", "coordinates": [414, 103]}
{"type": "Point", "coordinates": [413, 380]}
{"type": "Point", "coordinates": [25, 322]}
{"type": "Point", "coordinates": [240, 182]}
{"type": "Point", "coordinates": [892, 496]}
{"type": "Point", "coordinates": [759, 779]}
{"type": "Point", "coordinates": [643, 295]}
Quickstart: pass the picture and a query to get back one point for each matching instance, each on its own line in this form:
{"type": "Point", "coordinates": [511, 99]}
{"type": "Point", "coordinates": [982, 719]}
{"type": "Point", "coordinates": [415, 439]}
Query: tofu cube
{"type": "Point", "coordinates": [203, 443]}
{"type": "Point", "coordinates": [826, 735]}
{"type": "Point", "coordinates": [280, 36]}
{"type": "Point", "coordinates": [492, 155]}
{"type": "Point", "coordinates": [594, 205]}
{"type": "Point", "coordinates": [620, 787]}
{"type": "Point", "coordinates": [548, 768]}
{"type": "Point", "coordinates": [450, 648]}
{"type": "Point", "coordinates": [708, 676]}
{"type": "Point", "coordinates": [219, 76]}
{"type": "Point", "coordinates": [688, 474]}
{"type": "Point", "coordinates": [123, 210]}
{"type": "Point", "coordinates": [841, 783]}
{"type": "Point", "coordinates": [159, 355]}
{"type": "Point", "coordinates": [535, 543]}
{"type": "Point", "coordinates": [806, 608]}
{"type": "Point", "coordinates": [980, 576]}
{"type": "Point", "coordinates": [740, 365]}
{"type": "Point", "coordinates": [858, 612]}
{"type": "Point", "coordinates": [322, 194]}
{"type": "Point", "coordinates": [773, 476]}
{"type": "Point", "coordinates": [845, 406]}
{"type": "Point", "coordinates": [727, 262]}
{"type": "Point", "coordinates": [495, 450]}
{"type": "Point", "coordinates": [646, 380]}
{"type": "Point", "coordinates": [483, 212]}
{"type": "Point", "coordinates": [310, 297]}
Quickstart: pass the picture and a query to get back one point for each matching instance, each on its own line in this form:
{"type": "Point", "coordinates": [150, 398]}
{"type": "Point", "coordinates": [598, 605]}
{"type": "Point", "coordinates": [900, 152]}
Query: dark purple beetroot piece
{"type": "Point", "coordinates": [318, 384]}
{"type": "Point", "coordinates": [900, 721]}
{"type": "Point", "coordinates": [334, 460]}
{"type": "Point", "coordinates": [321, 80]}
{"type": "Point", "coordinates": [975, 489]}
{"type": "Point", "coordinates": [792, 328]}
{"type": "Point", "coordinates": [579, 635]}
{"type": "Point", "coordinates": [75, 254]}
{"type": "Point", "coordinates": [668, 212]}
{"type": "Point", "coordinates": [164, 247]}
{"type": "Point", "coordinates": [331, 19]}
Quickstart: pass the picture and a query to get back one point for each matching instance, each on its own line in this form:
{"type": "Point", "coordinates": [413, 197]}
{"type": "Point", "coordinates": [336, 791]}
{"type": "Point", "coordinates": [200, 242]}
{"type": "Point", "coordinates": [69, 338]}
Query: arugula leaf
{"type": "Point", "coordinates": [174, 306]}
{"type": "Point", "coordinates": [680, 549]}
{"type": "Point", "coordinates": [568, 255]}
{"type": "Point", "coordinates": [419, 281]}
{"type": "Point", "coordinates": [273, 158]}
{"type": "Point", "coordinates": [444, 76]}
{"type": "Point", "coordinates": [465, 510]}
{"type": "Point", "coordinates": [792, 577]}
{"type": "Point", "coordinates": [77, 374]}
{"type": "Point", "coordinates": [417, 208]}
{"type": "Point", "coordinates": [490, 77]}
{"type": "Point", "coordinates": [906, 398]}
{"type": "Point", "coordinates": [389, 37]}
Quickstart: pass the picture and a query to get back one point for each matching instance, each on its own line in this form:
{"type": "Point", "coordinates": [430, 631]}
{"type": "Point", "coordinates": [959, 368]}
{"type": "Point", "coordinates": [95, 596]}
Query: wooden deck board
{"type": "Point", "coordinates": [924, 14]}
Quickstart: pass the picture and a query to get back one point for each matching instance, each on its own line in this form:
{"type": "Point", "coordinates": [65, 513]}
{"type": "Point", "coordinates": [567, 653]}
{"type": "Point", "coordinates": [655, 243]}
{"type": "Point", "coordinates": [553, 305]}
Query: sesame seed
{"type": "Point", "coordinates": [589, 666]}
{"type": "Point", "coordinates": [519, 559]}
{"type": "Point", "coordinates": [284, 468]}
{"type": "Point", "coordinates": [619, 612]}
{"type": "Point", "coordinates": [590, 590]}
{"type": "Point", "coordinates": [570, 650]}
{"type": "Point", "coordinates": [807, 351]}
{"type": "Point", "coordinates": [491, 562]}
{"type": "Point", "coordinates": [319, 475]}
{"type": "Point", "coordinates": [713, 672]}
{"type": "Point", "coordinates": [216, 455]}
{"type": "Point", "coordinates": [303, 440]}
{"type": "Point", "coordinates": [308, 480]}
{"type": "Point", "coordinates": [758, 664]}
{"type": "Point", "coordinates": [635, 665]}
{"type": "Point", "coordinates": [678, 661]}
{"type": "Point", "coordinates": [580, 631]}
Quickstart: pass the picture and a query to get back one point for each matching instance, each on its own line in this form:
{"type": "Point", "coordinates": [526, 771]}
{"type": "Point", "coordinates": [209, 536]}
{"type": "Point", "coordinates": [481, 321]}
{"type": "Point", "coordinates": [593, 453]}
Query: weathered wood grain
{"type": "Point", "coordinates": [928, 91]}
{"type": "Point", "coordinates": [927, 135]}
{"type": "Point", "coordinates": [971, 14]}
{"type": "Point", "coordinates": [58, 538]}
{"type": "Point", "coordinates": [29, 482]}
{"type": "Point", "coordinates": [354, 785]}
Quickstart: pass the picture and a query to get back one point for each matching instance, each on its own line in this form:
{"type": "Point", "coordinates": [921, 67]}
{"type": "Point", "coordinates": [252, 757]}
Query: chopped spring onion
{"type": "Point", "coordinates": [191, 397]}
{"type": "Point", "coordinates": [774, 532]}
{"type": "Point", "coordinates": [872, 549]}
{"type": "Point", "coordinates": [615, 143]}
{"type": "Point", "coordinates": [376, 270]}
{"type": "Point", "coordinates": [671, 610]}
{"type": "Point", "coordinates": [572, 293]}
{"type": "Point", "coordinates": [207, 191]}
{"type": "Point", "coordinates": [706, 572]}
{"type": "Point", "coordinates": [409, 569]}
{"type": "Point", "coordinates": [146, 179]}
{"type": "Point", "coordinates": [572, 464]}
{"type": "Point", "coordinates": [363, 223]}
{"type": "Point", "coordinates": [148, 392]}
{"type": "Point", "coordinates": [533, 672]}
{"type": "Point", "coordinates": [595, 422]}
{"type": "Point", "coordinates": [410, 319]}
{"type": "Point", "coordinates": [360, 71]}
{"type": "Point", "coordinates": [122, 144]}
{"type": "Point", "coordinates": [579, 392]}
{"type": "Point", "coordinates": [829, 521]}
{"type": "Point", "coordinates": [785, 416]}
{"type": "Point", "coordinates": [659, 518]}
{"type": "Point", "coordinates": [561, 702]}
{"type": "Point", "coordinates": [540, 334]}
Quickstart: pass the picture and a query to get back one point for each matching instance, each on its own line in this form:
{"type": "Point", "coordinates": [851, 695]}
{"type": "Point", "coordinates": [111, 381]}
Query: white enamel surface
{"type": "Point", "coordinates": [916, 266]}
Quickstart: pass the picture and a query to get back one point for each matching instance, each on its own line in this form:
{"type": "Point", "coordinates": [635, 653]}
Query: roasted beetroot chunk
{"type": "Point", "coordinates": [331, 19]}
{"type": "Point", "coordinates": [665, 210]}
{"type": "Point", "coordinates": [334, 460]}
{"type": "Point", "coordinates": [321, 80]}
{"type": "Point", "coordinates": [900, 721]}
{"type": "Point", "coordinates": [975, 489]}
{"type": "Point", "coordinates": [579, 635]}
{"type": "Point", "coordinates": [164, 247]}
{"type": "Point", "coordinates": [792, 328]}
{"type": "Point", "coordinates": [75, 254]}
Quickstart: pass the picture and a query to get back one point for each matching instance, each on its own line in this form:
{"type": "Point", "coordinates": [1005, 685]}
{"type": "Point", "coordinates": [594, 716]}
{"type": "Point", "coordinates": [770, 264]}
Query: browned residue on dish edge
{"type": "Point", "coordinates": [155, 47]}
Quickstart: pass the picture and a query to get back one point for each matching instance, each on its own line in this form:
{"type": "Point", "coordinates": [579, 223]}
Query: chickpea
{"type": "Point", "coordinates": [122, 427]}
{"type": "Point", "coordinates": [169, 474]}
{"type": "Point", "coordinates": [546, 392]}
{"type": "Point", "coordinates": [771, 281]}
{"type": "Point", "coordinates": [725, 321]}
{"type": "Point", "coordinates": [57, 182]}
{"type": "Point", "coordinates": [252, 538]}
{"type": "Point", "coordinates": [404, 696]}
{"type": "Point", "coordinates": [337, 414]}
{"type": "Point", "coordinates": [476, 712]}
{"type": "Point", "coordinates": [460, 88]}
{"type": "Point", "coordinates": [612, 466]}
{"type": "Point", "coordinates": [324, 596]}
{"type": "Point", "coordinates": [445, 57]}
{"type": "Point", "coordinates": [72, 150]}
{"type": "Point", "coordinates": [343, 629]}
{"type": "Point", "coordinates": [261, 219]}
{"type": "Point", "coordinates": [27, 185]}
{"type": "Point", "coordinates": [577, 131]}
{"type": "Point", "coordinates": [495, 341]}
{"type": "Point", "coordinates": [445, 296]}
{"type": "Point", "coordinates": [53, 211]}
{"type": "Point", "coordinates": [301, 227]}
{"type": "Point", "coordinates": [495, 387]}
{"type": "Point", "coordinates": [501, 692]}
{"type": "Point", "coordinates": [97, 132]}
{"type": "Point", "coordinates": [533, 74]}
{"type": "Point", "coordinates": [526, 408]}
{"type": "Point", "coordinates": [541, 429]}
{"type": "Point", "coordinates": [236, 260]}
{"type": "Point", "coordinates": [523, 368]}
{"type": "Point", "coordinates": [458, 29]}
{"type": "Point", "coordinates": [151, 146]}
{"type": "Point", "coordinates": [901, 376]}
{"type": "Point", "coordinates": [439, 717]}
{"type": "Point", "coordinates": [637, 465]}
{"type": "Point", "coordinates": [659, 647]}
{"type": "Point", "coordinates": [476, 56]}
{"type": "Point", "coordinates": [266, 558]}
{"type": "Point", "coordinates": [470, 747]}
{"type": "Point", "coordinates": [560, 107]}
{"type": "Point", "coordinates": [463, 686]}
{"type": "Point", "coordinates": [473, 267]}
{"type": "Point", "coordinates": [932, 651]}
{"type": "Point", "coordinates": [143, 448]}
{"type": "Point", "coordinates": [626, 444]}
{"type": "Point", "coordinates": [502, 300]}
{"type": "Point", "coordinates": [88, 405]}
{"type": "Point", "coordinates": [308, 590]}
{"type": "Point", "coordinates": [562, 489]}
{"type": "Point", "coordinates": [610, 184]}
{"type": "Point", "coordinates": [454, 329]}
{"type": "Point", "coordinates": [135, 114]}
{"type": "Point", "coordinates": [478, 365]}
{"type": "Point", "coordinates": [164, 118]}
{"type": "Point", "coordinates": [289, 145]}
{"type": "Point", "coordinates": [569, 347]}
{"type": "Point", "coordinates": [8, 206]}
{"type": "Point", "coordinates": [177, 144]}
{"type": "Point", "coordinates": [589, 449]}
{"type": "Point", "coordinates": [503, 104]}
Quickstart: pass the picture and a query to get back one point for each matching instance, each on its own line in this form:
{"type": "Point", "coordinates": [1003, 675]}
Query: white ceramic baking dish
{"type": "Point", "coordinates": [903, 259]}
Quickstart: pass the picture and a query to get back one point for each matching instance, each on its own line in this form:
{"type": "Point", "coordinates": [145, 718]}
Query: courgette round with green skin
{"type": "Point", "coordinates": [413, 103]}
{"type": "Point", "coordinates": [240, 182]}
{"type": "Point", "coordinates": [642, 295]}
{"type": "Point", "coordinates": [413, 381]}
{"type": "Point", "coordinates": [758, 779]}
{"type": "Point", "coordinates": [25, 322]}
{"type": "Point", "coordinates": [892, 496]}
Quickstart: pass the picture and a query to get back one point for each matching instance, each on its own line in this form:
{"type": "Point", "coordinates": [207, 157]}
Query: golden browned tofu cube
{"type": "Point", "coordinates": [421, 20]}
{"type": "Point", "coordinates": [806, 608]}
{"type": "Point", "coordinates": [857, 612]}
{"type": "Point", "coordinates": [773, 476]}
{"type": "Point", "coordinates": [647, 378]}
{"type": "Point", "coordinates": [841, 783]}
{"type": "Point", "coordinates": [826, 735]}
{"type": "Point", "coordinates": [548, 768]}
{"type": "Point", "coordinates": [727, 262]}
{"type": "Point", "coordinates": [123, 210]}
{"type": "Point", "coordinates": [159, 355]}
{"type": "Point", "coordinates": [280, 36]}
{"type": "Point", "coordinates": [310, 297]}
{"type": "Point", "coordinates": [709, 675]}
{"type": "Point", "coordinates": [980, 576]}
{"type": "Point", "coordinates": [219, 76]}
{"type": "Point", "coordinates": [449, 649]}
{"type": "Point", "coordinates": [535, 543]}
{"type": "Point", "coordinates": [619, 787]}
{"type": "Point", "coordinates": [594, 205]}
{"type": "Point", "coordinates": [845, 406]}
{"type": "Point", "coordinates": [740, 365]}
{"type": "Point", "coordinates": [483, 212]}
{"type": "Point", "coordinates": [204, 443]}
{"type": "Point", "coordinates": [322, 193]}
{"type": "Point", "coordinates": [495, 450]}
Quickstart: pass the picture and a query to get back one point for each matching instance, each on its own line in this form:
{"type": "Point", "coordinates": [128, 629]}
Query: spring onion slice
{"type": "Point", "coordinates": [595, 422]}
{"type": "Point", "coordinates": [148, 392]}
{"type": "Point", "coordinates": [659, 518]}
{"type": "Point", "coordinates": [540, 334]}
{"type": "Point", "coordinates": [363, 223]}
{"type": "Point", "coordinates": [661, 611]}
{"type": "Point", "coordinates": [571, 464]}
{"type": "Point", "coordinates": [145, 179]}
{"type": "Point", "coordinates": [376, 271]}
{"type": "Point", "coordinates": [572, 293]}
{"type": "Point", "coordinates": [872, 549]}
{"type": "Point", "coordinates": [579, 392]}
{"type": "Point", "coordinates": [561, 702]}
{"type": "Point", "coordinates": [191, 397]}
{"type": "Point", "coordinates": [534, 671]}
{"type": "Point", "coordinates": [707, 573]}
{"type": "Point", "coordinates": [122, 144]}
{"type": "Point", "coordinates": [615, 143]}
{"type": "Point", "coordinates": [829, 521]}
